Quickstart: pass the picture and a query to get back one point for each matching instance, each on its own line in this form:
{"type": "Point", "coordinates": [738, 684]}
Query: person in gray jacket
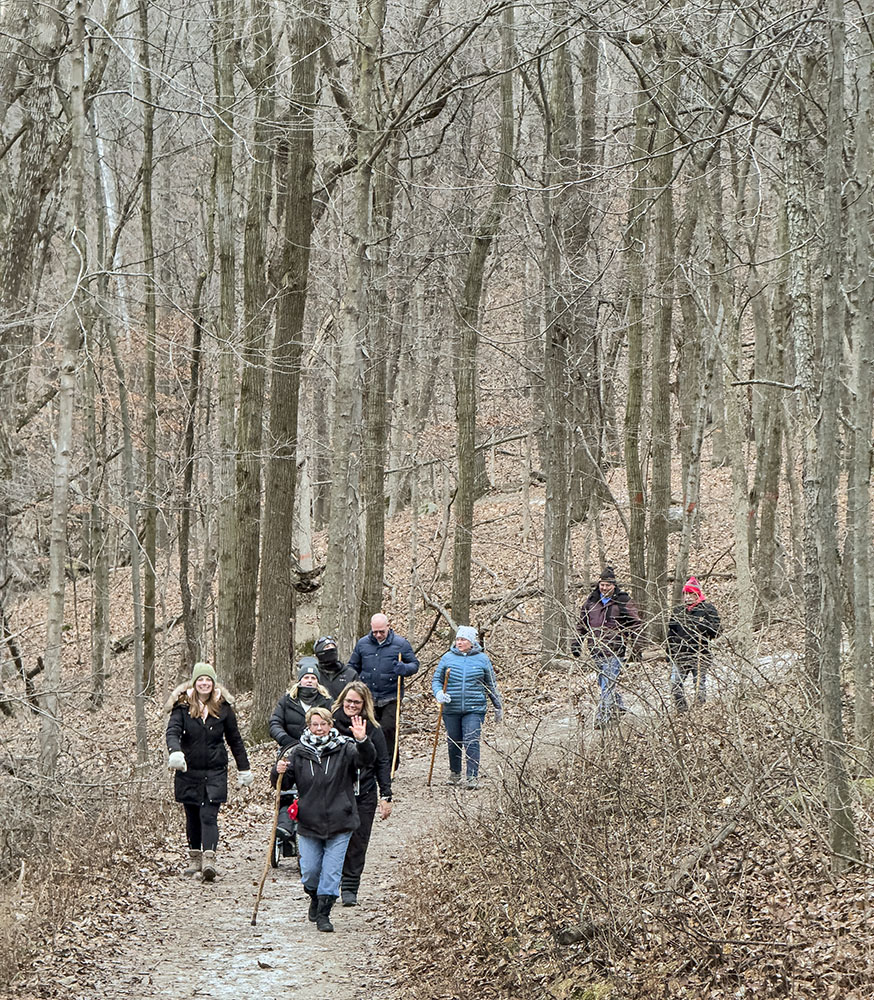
{"type": "Point", "coordinates": [471, 679]}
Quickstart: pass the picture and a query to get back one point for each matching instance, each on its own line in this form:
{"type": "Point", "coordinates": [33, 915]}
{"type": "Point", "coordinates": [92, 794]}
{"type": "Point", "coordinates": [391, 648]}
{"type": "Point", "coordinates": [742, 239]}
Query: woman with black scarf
{"type": "Point", "coordinates": [355, 700]}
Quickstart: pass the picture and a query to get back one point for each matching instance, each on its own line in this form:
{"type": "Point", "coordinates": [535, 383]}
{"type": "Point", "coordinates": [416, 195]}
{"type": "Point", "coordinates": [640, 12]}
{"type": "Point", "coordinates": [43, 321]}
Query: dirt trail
{"type": "Point", "coordinates": [187, 939]}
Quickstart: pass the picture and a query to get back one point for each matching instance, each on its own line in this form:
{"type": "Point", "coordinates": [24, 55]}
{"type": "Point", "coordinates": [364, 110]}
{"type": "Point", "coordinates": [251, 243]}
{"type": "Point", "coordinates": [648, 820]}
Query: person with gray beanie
{"type": "Point", "coordinates": [463, 694]}
{"type": "Point", "coordinates": [288, 720]}
{"type": "Point", "coordinates": [201, 722]}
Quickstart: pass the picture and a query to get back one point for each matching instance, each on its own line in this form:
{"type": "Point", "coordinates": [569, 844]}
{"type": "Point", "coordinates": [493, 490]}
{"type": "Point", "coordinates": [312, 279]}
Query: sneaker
{"type": "Point", "coordinates": [472, 783]}
{"type": "Point", "coordinates": [454, 779]}
{"type": "Point", "coordinates": [348, 897]}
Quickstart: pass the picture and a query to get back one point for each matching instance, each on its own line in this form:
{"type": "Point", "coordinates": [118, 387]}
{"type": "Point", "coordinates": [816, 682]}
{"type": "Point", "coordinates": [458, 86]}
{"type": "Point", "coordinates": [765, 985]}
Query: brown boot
{"type": "Point", "coordinates": [207, 871]}
{"type": "Point", "coordinates": [195, 861]}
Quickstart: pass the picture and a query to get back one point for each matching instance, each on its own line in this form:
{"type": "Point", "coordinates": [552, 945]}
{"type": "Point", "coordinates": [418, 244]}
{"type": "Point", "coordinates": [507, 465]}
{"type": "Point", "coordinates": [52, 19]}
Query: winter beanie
{"type": "Point", "coordinates": [326, 650]}
{"type": "Point", "coordinates": [202, 670]}
{"type": "Point", "coordinates": [607, 575]}
{"type": "Point", "coordinates": [467, 632]}
{"type": "Point", "coordinates": [692, 586]}
{"type": "Point", "coordinates": [308, 665]}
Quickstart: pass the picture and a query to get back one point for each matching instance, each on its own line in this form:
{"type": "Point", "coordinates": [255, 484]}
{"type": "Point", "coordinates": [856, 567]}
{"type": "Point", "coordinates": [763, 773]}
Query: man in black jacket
{"type": "Point", "coordinates": [690, 629]}
{"type": "Point", "coordinates": [335, 674]}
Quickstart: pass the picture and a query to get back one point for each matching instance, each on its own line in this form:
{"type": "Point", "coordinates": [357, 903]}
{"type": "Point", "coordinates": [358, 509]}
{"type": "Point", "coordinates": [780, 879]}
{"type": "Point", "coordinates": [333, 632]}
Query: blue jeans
{"type": "Point", "coordinates": [609, 668]}
{"type": "Point", "coordinates": [464, 731]}
{"type": "Point", "coordinates": [321, 862]}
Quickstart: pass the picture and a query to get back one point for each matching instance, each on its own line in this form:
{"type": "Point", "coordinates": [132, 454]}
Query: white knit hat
{"type": "Point", "coordinates": [467, 632]}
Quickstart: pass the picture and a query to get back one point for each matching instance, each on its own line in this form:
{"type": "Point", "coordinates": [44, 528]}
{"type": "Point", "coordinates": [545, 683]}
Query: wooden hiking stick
{"type": "Point", "coordinates": [269, 846]}
{"type": "Point", "coordinates": [394, 756]}
{"type": "Point", "coordinates": [437, 732]}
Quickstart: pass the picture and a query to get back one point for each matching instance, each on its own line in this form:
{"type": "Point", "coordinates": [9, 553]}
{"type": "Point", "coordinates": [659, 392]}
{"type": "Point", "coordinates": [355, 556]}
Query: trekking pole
{"type": "Point", "coordinates": [437, 731]}
{"type": "Point", "coordinates": [394, 756]}
{"type": "Point", "coordinates": [269, 846]}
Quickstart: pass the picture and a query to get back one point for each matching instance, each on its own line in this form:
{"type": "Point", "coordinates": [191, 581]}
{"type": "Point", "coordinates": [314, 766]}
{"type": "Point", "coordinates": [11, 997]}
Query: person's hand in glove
{"type": "Point", "coordinates": [245, 779]}
{"type": "Point", "coordinates": [176, 761]}
{"type": "Point", "coordinates": [443, 697]}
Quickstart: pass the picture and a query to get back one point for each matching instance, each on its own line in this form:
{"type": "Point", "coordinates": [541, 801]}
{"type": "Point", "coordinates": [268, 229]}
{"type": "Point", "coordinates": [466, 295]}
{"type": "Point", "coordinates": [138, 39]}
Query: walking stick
{"type": "Point", "coordinates": [269, 846]}
{"type": "Point", "coordinates": [394, 756]}
{"type": "Point", "coordinates": [437, 732]}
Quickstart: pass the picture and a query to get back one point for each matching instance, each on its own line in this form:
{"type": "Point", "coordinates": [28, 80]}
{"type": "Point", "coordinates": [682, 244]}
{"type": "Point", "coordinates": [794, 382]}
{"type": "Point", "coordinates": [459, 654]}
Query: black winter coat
{"type": "Point", "coordinates": [326, 787]}
{"type": "Point", "coordinates": [334, 678]}
{"type": "Point", "coordinates": [288, 720]}
{"type": "Point", "coordinates": [203, 743]}
{"type": "Point", "coordinates": [690, 631]}
{"type": "Point", "coordinates": [370, 775]}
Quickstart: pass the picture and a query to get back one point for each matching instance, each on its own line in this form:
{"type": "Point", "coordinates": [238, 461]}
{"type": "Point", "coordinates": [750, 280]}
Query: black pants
{"type": "Point", "coordinates": [386, 716]}
{"type": "Point", "coordinates": [356, 852]}
{"type": "Point", "coordinates": [201, 826]}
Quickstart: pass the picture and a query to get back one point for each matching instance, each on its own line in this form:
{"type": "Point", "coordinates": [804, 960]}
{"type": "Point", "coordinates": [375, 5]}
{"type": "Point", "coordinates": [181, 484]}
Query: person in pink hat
{"type": "Point", "coordinates": [691, 627]}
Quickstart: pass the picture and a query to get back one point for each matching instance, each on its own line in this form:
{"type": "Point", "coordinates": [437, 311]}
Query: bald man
{"type": "Point", "coordinates": [381, 657]}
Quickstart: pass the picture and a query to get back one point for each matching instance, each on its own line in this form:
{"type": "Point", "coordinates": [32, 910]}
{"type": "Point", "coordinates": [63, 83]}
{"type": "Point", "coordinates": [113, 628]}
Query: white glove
{"type": "Point", "coordinates": [244, 779]}
{"type": "Point", "coordinates": [176, 761]}
{"type": "Point", "coordinates": [443, 697]}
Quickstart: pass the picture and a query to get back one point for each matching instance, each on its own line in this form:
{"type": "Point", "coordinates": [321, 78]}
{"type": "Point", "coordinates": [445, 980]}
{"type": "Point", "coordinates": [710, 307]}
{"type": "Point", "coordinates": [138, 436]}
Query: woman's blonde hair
{"type": "Point", "coordinates": [321, 711]}
{"type": "Point", "coordinates": [360, 688]}
{"type": "Point", "coordinates": [323, 691]}
{"type": "Point", "coordinates": [213, 702]}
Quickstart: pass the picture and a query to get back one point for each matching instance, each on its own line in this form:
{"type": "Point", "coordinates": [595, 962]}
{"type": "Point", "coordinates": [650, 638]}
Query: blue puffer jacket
{"type": "Point", "coordinates": [380, 665]}
{"type": "Point", "coordinates": [471, 678]}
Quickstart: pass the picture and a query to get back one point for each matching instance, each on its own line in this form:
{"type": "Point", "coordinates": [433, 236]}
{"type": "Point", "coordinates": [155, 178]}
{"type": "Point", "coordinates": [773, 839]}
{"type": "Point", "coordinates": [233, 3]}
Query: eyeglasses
{"type": "Point", "coordinates": [380, 631]}
{"type": "Point", "coordinates": [353, 703]}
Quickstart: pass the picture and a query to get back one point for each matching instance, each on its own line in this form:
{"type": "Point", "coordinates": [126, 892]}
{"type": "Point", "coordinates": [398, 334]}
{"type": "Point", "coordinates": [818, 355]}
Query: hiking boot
{"type": "Point", "coordinates": [207, 870]}
{"type": "Point", "coordinates": [348, 897]}
{"type": "Point", "coordinates": [454, 779]}
{"type": "Point", "coordinates": [195, 861]}
{"type": "Point", "coordinates": [323, 914]}
{"type": "Point", "coordinates": [312, 912]}
{"type": "Point", "coordinates": [472, 783]}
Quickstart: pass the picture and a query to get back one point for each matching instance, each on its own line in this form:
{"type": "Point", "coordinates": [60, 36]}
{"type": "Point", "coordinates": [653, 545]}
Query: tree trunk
{"type": "Point", "coordinates": [861, 382]}
{"type": "Point", "coordinates": [256, 315]}
{"type": "Point", "coordinates": [70, 335]}
{"type": "Point", "coordinates": [150, 511]}
{"type": "Point", "coordinates": [339, 603]}
{"type": "Point", "coordinates": [842, 829]}
{"type": "Point", "coordinates": [275, 634]}
{"type": "Point", "coordinates": [466, 387]}
{"type": "Point", "coordinates": [226, 210]}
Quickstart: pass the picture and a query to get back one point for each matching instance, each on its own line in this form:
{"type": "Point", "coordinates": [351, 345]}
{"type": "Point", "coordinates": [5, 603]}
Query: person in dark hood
{"type": "Point", "coordinates": [201, 722]}
{"type": "Point", "coordinates": [374, 783]}
{"type": "Point", "coordinates": [609, 624]}
{"type": "Point", "coordinates": [335, 674]}
{"type": "Point", "coordinates": [691, 627]}
{"type": "Point", "coordinates": [288, 720]}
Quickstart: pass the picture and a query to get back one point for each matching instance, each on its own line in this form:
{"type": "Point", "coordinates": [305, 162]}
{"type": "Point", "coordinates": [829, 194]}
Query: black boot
{"type": "Point", "coordinates": [323, 921]}
{"type": "Point", "coordinates": [314, 903]}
